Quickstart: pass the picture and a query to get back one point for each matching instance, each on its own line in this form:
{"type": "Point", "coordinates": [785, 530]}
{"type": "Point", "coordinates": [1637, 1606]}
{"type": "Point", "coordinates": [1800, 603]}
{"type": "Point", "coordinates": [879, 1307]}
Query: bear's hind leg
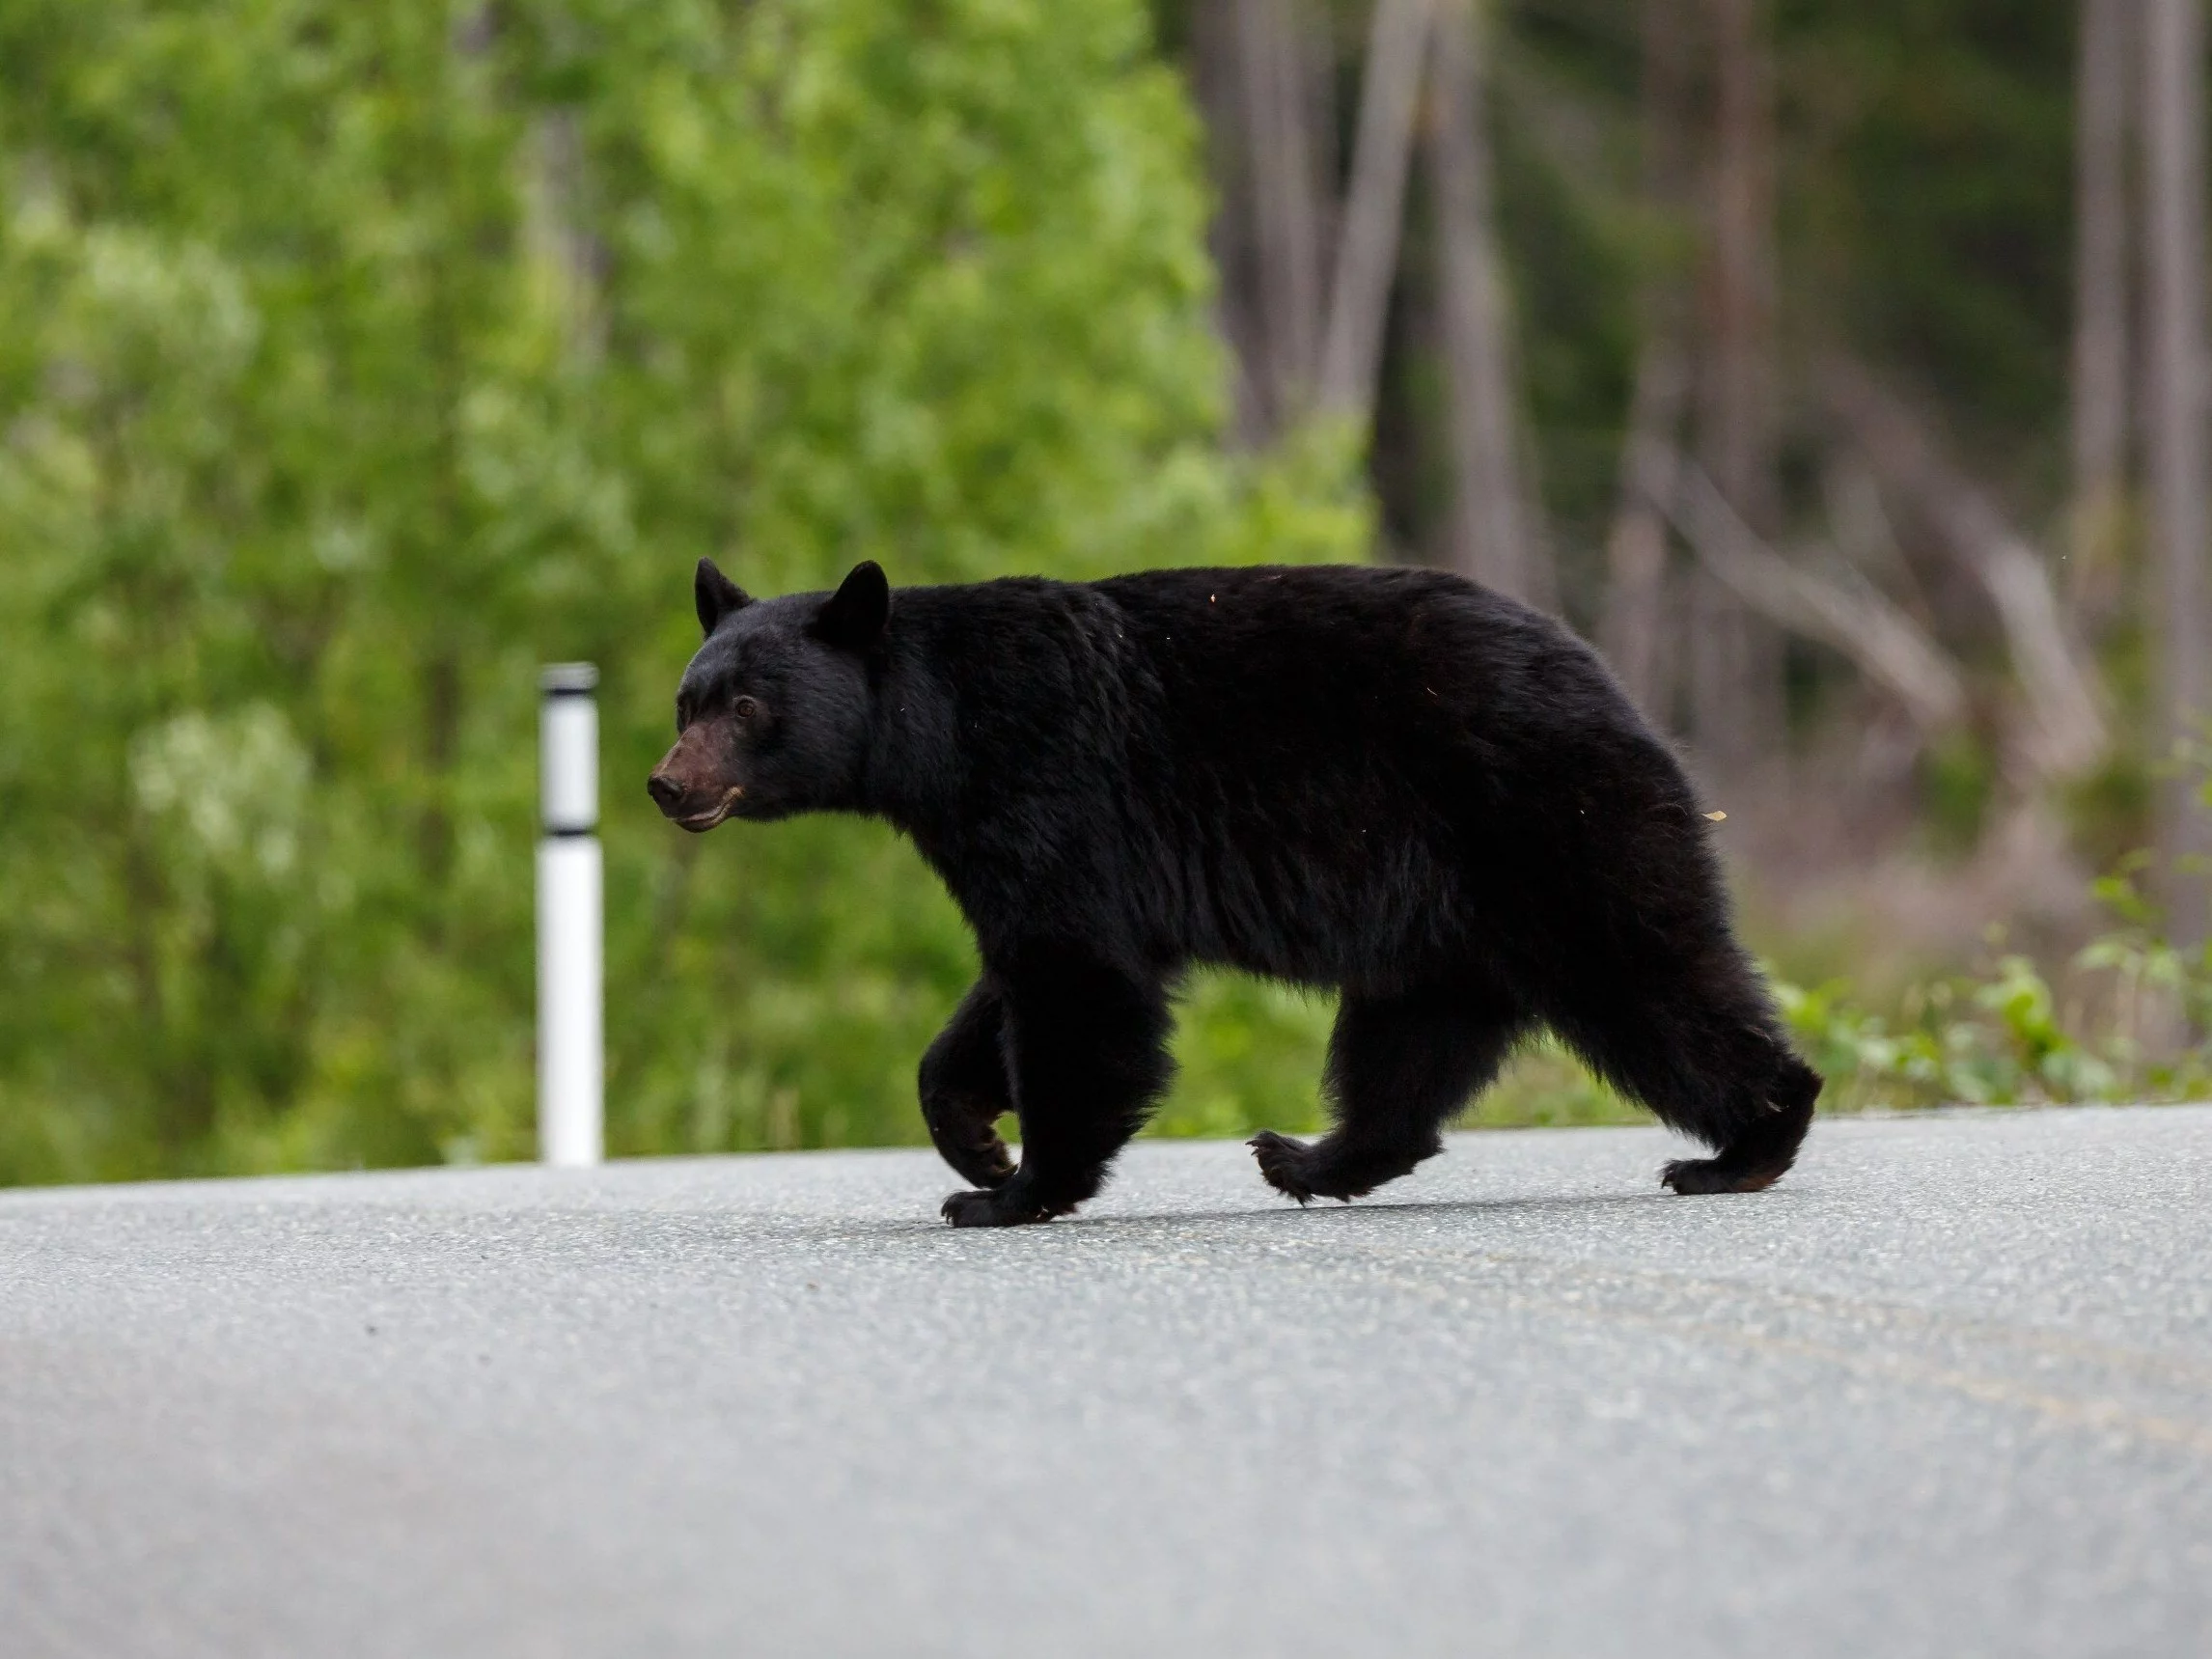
{"type": "Point", "coordinates": [1711, 1062]}
{"type": "Point", "coordinates": [1087, 1048]}
{"type": "Point", "coordinates": [964, 1090]}
{"type": "Point", "coordinates": [1398, 1066]}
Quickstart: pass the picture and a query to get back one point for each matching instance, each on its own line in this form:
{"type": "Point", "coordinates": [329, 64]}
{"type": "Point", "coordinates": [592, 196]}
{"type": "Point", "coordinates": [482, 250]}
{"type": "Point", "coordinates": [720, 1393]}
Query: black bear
{"type": "Point", "coordinates": [1392, 783]}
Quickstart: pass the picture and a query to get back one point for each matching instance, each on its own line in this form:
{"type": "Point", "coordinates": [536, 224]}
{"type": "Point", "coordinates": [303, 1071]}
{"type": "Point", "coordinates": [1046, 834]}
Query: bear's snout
{"type": "Point", "coordinates": [689, 788]}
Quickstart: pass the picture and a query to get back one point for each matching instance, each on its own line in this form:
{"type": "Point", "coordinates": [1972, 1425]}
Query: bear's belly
{"type": "Point", "coordinates": [1385, 920]}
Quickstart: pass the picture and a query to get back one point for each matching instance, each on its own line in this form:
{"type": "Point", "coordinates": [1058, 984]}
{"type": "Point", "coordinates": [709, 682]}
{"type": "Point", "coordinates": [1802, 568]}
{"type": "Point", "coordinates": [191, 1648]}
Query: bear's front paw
{"type": "Point", "coordinates": [1288, 1164]}
{"type": "Point", "coordinates": [992, 1209]}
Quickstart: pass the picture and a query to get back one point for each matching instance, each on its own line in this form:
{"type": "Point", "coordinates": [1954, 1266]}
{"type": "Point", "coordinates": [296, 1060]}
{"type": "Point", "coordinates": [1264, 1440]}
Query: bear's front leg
{"type": "Point", "coordinates": [1085, 1046]}
{"type": "Point", "coordinates": [964, 1089]}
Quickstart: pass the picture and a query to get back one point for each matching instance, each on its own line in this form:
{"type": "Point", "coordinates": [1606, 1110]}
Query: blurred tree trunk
{"type": "Point", "coordinates": [568, 258]}
{"type": "Point", "coordinates": [2105, 75]}
{"type": "Point", "coordinates": [1735, 656]}
{"type": "Point", "coordinates": [1276, 95]}
{"type": "Point", "coordinates": [1492, 533]}
{"type": "Point", "coordinates": [1215, 79]}
{"type": "Point", "coordinates": [1842, 609]}
{"type": "Point", "coordinates": [1374, 207]}
{"type": "Point", "coordinates": [2174, 121]}
{"type": "Point", "coordinates": [2059, 732]}
{"type": "Point", "coordinates": [1632, 629]}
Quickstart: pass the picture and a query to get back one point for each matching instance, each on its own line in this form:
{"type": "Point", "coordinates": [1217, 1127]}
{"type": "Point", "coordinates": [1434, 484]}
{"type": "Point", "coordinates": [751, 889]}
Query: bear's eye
{"type": "Point", "coordinates": [744, 708]}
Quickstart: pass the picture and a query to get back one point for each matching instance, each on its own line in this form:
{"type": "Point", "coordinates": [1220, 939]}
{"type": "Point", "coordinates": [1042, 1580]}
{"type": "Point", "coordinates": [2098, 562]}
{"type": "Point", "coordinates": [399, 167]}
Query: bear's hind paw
{"type": "Point", "coordinates": [1692, 1175]}
{"type": "Point", "coordinates": [990, 1209]}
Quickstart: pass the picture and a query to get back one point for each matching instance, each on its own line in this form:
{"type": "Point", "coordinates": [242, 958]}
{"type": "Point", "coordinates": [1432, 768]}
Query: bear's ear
{"type": "Point", "coordinates": [716, 596]}
{"type": "Point", "coordinates": [854, 617]}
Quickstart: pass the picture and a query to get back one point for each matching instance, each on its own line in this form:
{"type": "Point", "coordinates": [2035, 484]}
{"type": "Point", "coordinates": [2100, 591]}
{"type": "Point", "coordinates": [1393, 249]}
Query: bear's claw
{"type": "Point", "coordinates": [1285, 1163]}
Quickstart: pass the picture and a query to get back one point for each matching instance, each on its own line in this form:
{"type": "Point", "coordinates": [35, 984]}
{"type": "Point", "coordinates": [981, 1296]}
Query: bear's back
{"type": "Point", "coordinates": [1333, 757]}
{"type": "Point", "coordinates": [1354, 671]}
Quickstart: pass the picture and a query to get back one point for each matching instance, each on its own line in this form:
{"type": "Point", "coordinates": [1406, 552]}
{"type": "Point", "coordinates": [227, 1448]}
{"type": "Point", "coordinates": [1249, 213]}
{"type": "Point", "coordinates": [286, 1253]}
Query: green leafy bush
{"type": "Point", "coordinates": [356, 359]}
{"type": "Point", "coordinates": [1996, 1037]}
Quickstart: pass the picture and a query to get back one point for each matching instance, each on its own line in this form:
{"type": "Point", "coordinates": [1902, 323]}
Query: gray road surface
{"type": "Point", "coordinates": [1946, 1390]}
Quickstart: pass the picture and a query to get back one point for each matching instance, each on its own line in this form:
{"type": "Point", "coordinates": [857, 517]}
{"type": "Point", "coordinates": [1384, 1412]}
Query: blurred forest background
{"type": "Point", "coordinates": [1839, 368]}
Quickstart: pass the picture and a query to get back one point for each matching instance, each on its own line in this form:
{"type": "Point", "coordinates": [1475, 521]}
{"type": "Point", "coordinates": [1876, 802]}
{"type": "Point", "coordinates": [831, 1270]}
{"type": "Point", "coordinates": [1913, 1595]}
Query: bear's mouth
{"type": "Point", "coordinates": [700, 822]}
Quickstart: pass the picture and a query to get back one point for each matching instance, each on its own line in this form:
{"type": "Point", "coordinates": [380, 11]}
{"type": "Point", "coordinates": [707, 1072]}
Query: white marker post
{"type": "Point", "coordinates": [572, 1128]}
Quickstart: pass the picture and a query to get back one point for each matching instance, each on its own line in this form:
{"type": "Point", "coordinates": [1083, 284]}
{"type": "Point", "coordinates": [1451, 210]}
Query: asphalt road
{"type": "Point", "coordinates": [1947, 1390]}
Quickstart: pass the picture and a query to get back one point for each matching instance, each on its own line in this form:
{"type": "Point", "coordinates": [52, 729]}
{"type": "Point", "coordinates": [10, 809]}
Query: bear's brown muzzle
{"type": "Point", "coordinates": [689, 788]}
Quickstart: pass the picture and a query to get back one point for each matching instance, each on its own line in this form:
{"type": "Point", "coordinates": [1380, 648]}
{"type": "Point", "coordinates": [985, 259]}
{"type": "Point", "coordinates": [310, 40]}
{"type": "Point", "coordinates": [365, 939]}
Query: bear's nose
{"type": "Point", "coordinates": [665, 791]}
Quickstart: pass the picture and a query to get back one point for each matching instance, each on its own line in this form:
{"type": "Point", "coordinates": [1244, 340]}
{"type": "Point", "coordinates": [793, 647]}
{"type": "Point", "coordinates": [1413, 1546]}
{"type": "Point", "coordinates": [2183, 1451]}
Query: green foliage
{"type": "Point", "coordinates": [2108, 811]}
{"type": "Point", "coordinates": [1249, 1054]}
{"type": "Point", "coordinates": [2139, 1026]}
{"type": "Point", "coordinates": [1996, 1037]}
{"type": "Point", "coordinates": [1544, 1085]}
{"type": "Point", "coordinates": [355, 359]}
{"type": "Point", "coordinates": [1958, 776]}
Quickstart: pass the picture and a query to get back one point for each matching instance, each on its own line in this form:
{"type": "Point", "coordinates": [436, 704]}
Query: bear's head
{"type": "Point", "coordinates": [773, 714]}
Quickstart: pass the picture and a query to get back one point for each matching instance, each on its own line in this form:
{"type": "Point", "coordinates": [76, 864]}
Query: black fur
{"type": "Point", "coordinates": [1386, 782]}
